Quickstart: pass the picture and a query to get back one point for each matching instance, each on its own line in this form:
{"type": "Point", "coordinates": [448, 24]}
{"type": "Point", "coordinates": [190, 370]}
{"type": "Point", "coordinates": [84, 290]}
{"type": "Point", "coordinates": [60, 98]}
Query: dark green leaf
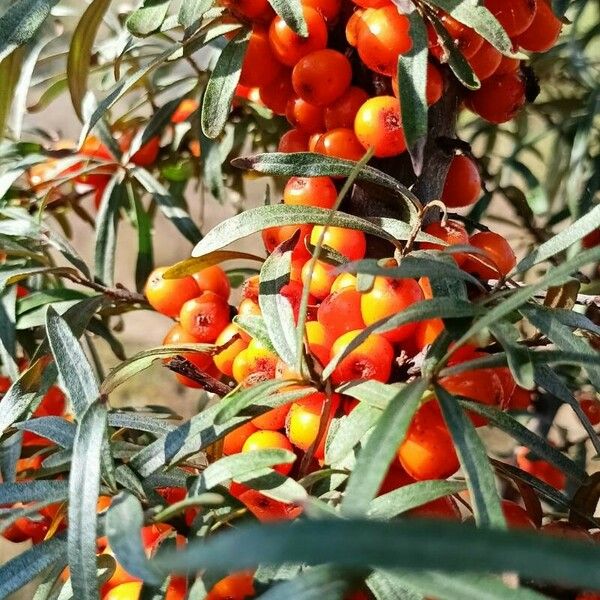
{"type": "Point", "coordinates": [312, 584]}
{"type": "Point", "coordinates": [20, 22]}
{"type": "Point", "coordinates": [84, 487]}
{"type": "Point", "coordinates": [73, 366]}
{"type": "Point", "coordinates": [145, 253]}
{"type": "Point", "coordinates": [33, 491]}
{"type": "Point", "coordinates": [377, 453]}
{"type": "Point", "coordinates": [412, 83]}
{"type": "Point", "coordinates": [474, 462]}
{"type": "Point", "coordinates": [220, 88]}
{"type": "Point", "coordinates": [106, 231]}
{"type": "Point", "coordinates": [80, 51]}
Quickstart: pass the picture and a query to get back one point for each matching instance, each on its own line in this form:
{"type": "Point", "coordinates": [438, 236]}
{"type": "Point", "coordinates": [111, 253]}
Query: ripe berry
{"type": "Point", "coordinates": [508, 65]}
{"type": "Point", "coordinates": [353, 26]}
{"type": "Point", "coordinates": [186, 108]}
{"type": "Point", "coordinates": [467, 40]}
{"type": "Point", "coordinates": [319, 341]}
{"type": "Point", "coordinates": [304, 116]}
{"type": "Point", "coordinates": [277, 94]}
{"type": "Point", "coordinates": [146, 156]}
{"type": "Point", "coordinates": [351, 243]}
{"type": "Point", "coordinates": [260, 66]}
{"type": "Point", "coordinates": [293, 140]}
{"type": "Point", "coordinates": [372, 359]}
{"type": "Point", "coordinates": [234, 441]}
{"type": "Point", "coordinates": [382, 36]}
{"type": "Point", "coordinates": [428, 451]}
{"type": "Point", "coordinates": [254, 364]}
{"type": "Point", "coordinates": [340, 143]}
{"type": "Point", "coordinates": [543, 32]}
{"type": "Point", "coordinates": [591, 407]}
{"type": "Point", "coordinates": [453, 233]}
{"type": "Point", "coordinates": [591, 240]}
{"type": "Point", "coordinates": [310, 191]}
{"type": "Point", "coordinates": [330, 9]}
{"type": "Point", "coordinates": [249, 9]}
{"type": "Point", "coordinates": [205, 317]}
{"type": "Point", "coordinates": [321, 281]}
{"type": "Point", "coordinates": [389, 297]}
{"type": "Point", "coordinates": [427, 332]}
{"type": "Point", "coordinates": [378, 124]}
{"type": "Point", "coordinates": [261, 440]}
{"type": "Point", "coordinates": [499, 98]}
{"type": "Point", "coordinates": [485, 61]}
{"type": "Point", "coordinates": [498, 258]}
{"type": "Point", "coordinates": [343, 281]}
{"type": "Point", "coordinates": [343, 111]}
{"type": "Point", "coordinates": [435, 85]}
{"type": "Point", "coordinates": [273, 236]}
{"type": "Point", "coordinates": [213, 279]}
{"type": "Point", "coordinates": [289, 47]}
{"type": "Point", "coordinates": [340, 313]}
{"type": "Point", "coordinates": [265, 509]}
{"type": "Point", "coordinates": [272, 420]}
{"type": "Point", "coordinates": [167, 296]}
{"type": "Point", "coordinates": [224, 359]}
{"type": "Point", "coordinates": [514, 16]}
{"type": "Point", "coordinates": [463, 183]}
{"type": "Point", "coordinates": [516, 516]}
{"type": "Point", "coordinates": [371, 3]}
{"type": "Point", "coordinates": [540, 468]}
{"type": "Point", "coordinates": [322, 77]}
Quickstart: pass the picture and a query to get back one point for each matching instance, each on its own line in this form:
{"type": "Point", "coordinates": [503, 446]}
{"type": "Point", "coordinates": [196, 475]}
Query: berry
{"type": "Point", "coordinates": [213, 279]}
{"type": "Point", "coordinates": [498, 258]}
{"type": "Point", "coordinates": [499, 98]}
{"type": "Point", "coordinates": [340, 313]}
{"type": "Point", "coordinates": [234, 441]}
{"type": "Point", "coordinates": [516, 516]}
{"type": "Point", "coordinates": [467, 40]}
{"type": "Point", "coordinates": [293, 140]}
{"type": "Point", "coordinates": [224, 359]}
{"type": "Point", "coordinates": [378, 124]}
{"type": "Point", "coordinates": [543, 32]}
{"type": "Point", "coordinates": [340, 143]}
{"type": "Point", "coordinates": [205, 317]}
{"type": "Point", "coordinates": [277, 94]}
{"type": "Point", "coordinates": [329, 9]}
{"type": "Point", "coordinates": [304, 116]}
{"type": "Point", "coordinates": [261, 440]}
{"type": "Point", "coordinates": [463, 183]}
{"type": "Point", "coordinates": [310, 191]}
{"type": "Point", "coordinates": [453, 233]}
{"type": "Point", "coordinates": [515, 16]}
{"type": "Point", "coordinates": [351, 243]}
{"type": "Point", "coordinates": [321, 281]}
{"type": "Point", "coordinates": [485, 61]}
{"type": "Point", "coordinates": [540, 468]}
{"type": "Point", "coordinates": [260, 66]}
{"type": "Point", "coordinates": [167, 296]}
{"type": "Point", "coordinates": [435, 84]}
{"type": "Point", "coordinates": [343, 111]}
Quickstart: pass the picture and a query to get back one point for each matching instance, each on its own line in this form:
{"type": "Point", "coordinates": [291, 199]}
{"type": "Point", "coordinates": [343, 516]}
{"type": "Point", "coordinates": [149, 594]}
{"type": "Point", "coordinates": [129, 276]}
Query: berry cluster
{"type": "Point", "coordinates": [338, 86]}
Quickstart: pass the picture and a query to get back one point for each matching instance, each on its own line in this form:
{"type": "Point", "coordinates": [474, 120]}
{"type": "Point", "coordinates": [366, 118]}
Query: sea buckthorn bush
{"type": "Point", "coordinates": [384, 366]}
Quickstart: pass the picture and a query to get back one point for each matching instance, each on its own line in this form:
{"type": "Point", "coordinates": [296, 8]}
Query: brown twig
{"type": "Point", "coordinates": [120, 292]}
{"type": "Point", "coordinates": [182, 366]}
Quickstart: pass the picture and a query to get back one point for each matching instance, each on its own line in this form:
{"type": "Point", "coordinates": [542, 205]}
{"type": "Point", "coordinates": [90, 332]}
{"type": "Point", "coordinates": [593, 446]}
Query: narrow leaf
{"type": "Point", "coordinates": [148, 18]}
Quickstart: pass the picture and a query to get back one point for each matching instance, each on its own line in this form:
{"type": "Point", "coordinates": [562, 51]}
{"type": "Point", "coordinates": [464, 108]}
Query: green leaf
{"type": "Point", "coordinates": [412, 83]}
{"type": "Point", "coordinates": [411, 496]}
{"type": "Point", "coordinates": [427, 309]}
{"type": "Point", "coordinates": [563, 337]}
{"type": "Point", "coordinates": [312, 584]}
{"type": "Point", "coordinates": [255, 220]}
{"type": "Point", "coordinates": [193, 265]}
{"type": "Point", "coordinates": [143, 360]}
{"type": "Point", "coordinates": [33, 491]}
{"type": "Point", "coordinates": [56, 429]}
{"type": "Point", "coordinates": [212, 166]}
{"type": "Point", "coordinates": [385, 586]}
{"type": "Point", "coordinates": [176, 213]}
{"type": "Point", "coordinates": [73, 366]}
{"type": "Point", "coordinates": [8, 331]}
{"type": "Point", "coordinates": [519, 361]}
{"type": "Point", "coordinates": [220, 88]}
{"type": "Point", "coordinates": [106, 230]}
{"type": "Point", "coordinates": [374, 393]}
{"type": "Point", "coordinates": [19, 571]}
{"type": "Point", "coordinates": [524, 436]}
{"type": "Point", "coordinates": [255, 327]}
{"type": "Point", "coordinates": [381, 447]}
{"type": "Point", "coordinates": [237, 401]}
{"type": "Point", "coordinates": [291, 12]}
{"type": "Point", "coordinates": [137, 422]}
{"type": "Point", "coordinates": [350, 432]}
{"type": "Point", "coordinates": [20, 22]}
{"type": "Point", "coordinates": [84, 487]}
{"type": "Point", "coordinates": [124, 521]}
{"type": "Point", "coordinates": [192, 11]}
{"type": "Point", "coordinates": [456, 61]}
{"type": "Point", "coordinates": [80, 52]}
{"type": "Point", "coordinates": [277, 310]}
{"type": "Point", "coordinates": [148, 18]}
{"type": "Point", "coordinates": [310, 164]}
{"type": "Point", "coordinates": [10, 67]}
{"type": "Point", "coordinates": [520, 297]}
{"type": "Point", "coordinates": [476, 16]}
{"type": "Point", "coordinates": [145, 254]}
{"type": "Point", "coordinates": [474, 462]}
{"type": "Point", "coordinates": [563, 240]}
{"type": "Point", "coordinates": [405, 544]}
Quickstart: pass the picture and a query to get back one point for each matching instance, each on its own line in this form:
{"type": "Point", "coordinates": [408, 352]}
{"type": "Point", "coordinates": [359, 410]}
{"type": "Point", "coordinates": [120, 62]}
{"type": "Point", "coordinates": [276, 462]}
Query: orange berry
{"type": "Point", "coordinates": [310, 191]}
{"type": "Point", "coordinates": [382, 36]}
{"type": "Point", "coordinates": [330, 9]}
{"type": "Point", "coordinates": [262, 440]}
{"type": "Point", "coordinates": [304, 116]}
{"type": "Point", "coordinates": [343, 111]}
{"type": "Point", "coordinates": [378, 124]}
{"type": "Point", "coordinates": [508, 65]}
{"type": "Point", "coordinates": [319, 341]}
{"type": "Point", "coordinates": [427, 332]}
{"type": "Point", "coordinates": [485, 61]}
{"type": "Point", "coordinates": [321, 281]}
{"type": "Point", "coordinates": [434, 88]}
{"type": "Point", "coordinates": [184, 111]}
{"type": "Point", "coordinates": [371, 3]}
{"type": "Point", "coordinates": [322, 77]}
{"type": "Point", "coordinates": [499, 98]}
{"type": "Point", "coordinates": [277, 94]}
{"type": "Point", "coordinates": [427, 451]}
{"type": "Point", "coordinates": [256, 361]}
{"type": "Point", "coordinates": [372, 359]}
{"type": "Point", "coordinates": [343, 281]}
{"type": "Point", "coordinates": [205, 317]}
{"type": "Point", "coordinates": [515, 17]}
{"type": "Point", "coordinates": [267, 510]}
{"type": "Point", "coordinates": [273, 236]}
{"type": "Point", "coordinates": [498, 258]}
{"type": "Point", "coordinates": [293, 291]}
{"type": "Point", "coordinates": [353, 26]}
{"type": "Point", "coordinates": [453, 233]}
{"type": "Point", "coordinates": [238, 586]}
{"type": "Point", "coordinates": [177, 335]}
{"type": "Point", "coordinates": [272, 420]}
{"type": "Point", "coordinates": [340, 313]}
{"type": "Point", "coordinates": [224, 359]}
{"type": "Point", "coordinates": [289, 47]}
{"type": "Point", "coordinates": [467, 40]}
{"type": "Point", "coordinates": [213, 279]}
{"type": "Point", "coordinates": [516, 516]}
{"type": "Point", "coordinates": [249, 9]}
{"type": "Point", "coordinates": [167, 296]}
{"type": "Point", "coordinates": [146, 156]}
{"type": "Point", "coordinates": [351, 243]}
{"type": "Point", "coordinates": [304, 421]}
{"type": "Point", "coordinates": [234, 441]}
{"type": "Point", "coordinates": [53, 403]}
{"type": "Point", "coordinates": [543, 31]}
{"type": "Point", "coordinates": [389, 297]}
{"type": "Point", "coordinates": [591, 407]}
{"type": "Point", "coordinates": [463, 183]}
{"type": "Point", "coordinates": [540, 468]}
{"type": "Point", "coordinates": [293, 140]}
{"type": "Point", "coordinates": [340, 143]}
{"type": "Point", "coordinates": [260, 66]}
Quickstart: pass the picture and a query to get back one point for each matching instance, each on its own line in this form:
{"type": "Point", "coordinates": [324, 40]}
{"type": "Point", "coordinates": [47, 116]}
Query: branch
{"type": "Point", "coordinates": [182, 366]}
